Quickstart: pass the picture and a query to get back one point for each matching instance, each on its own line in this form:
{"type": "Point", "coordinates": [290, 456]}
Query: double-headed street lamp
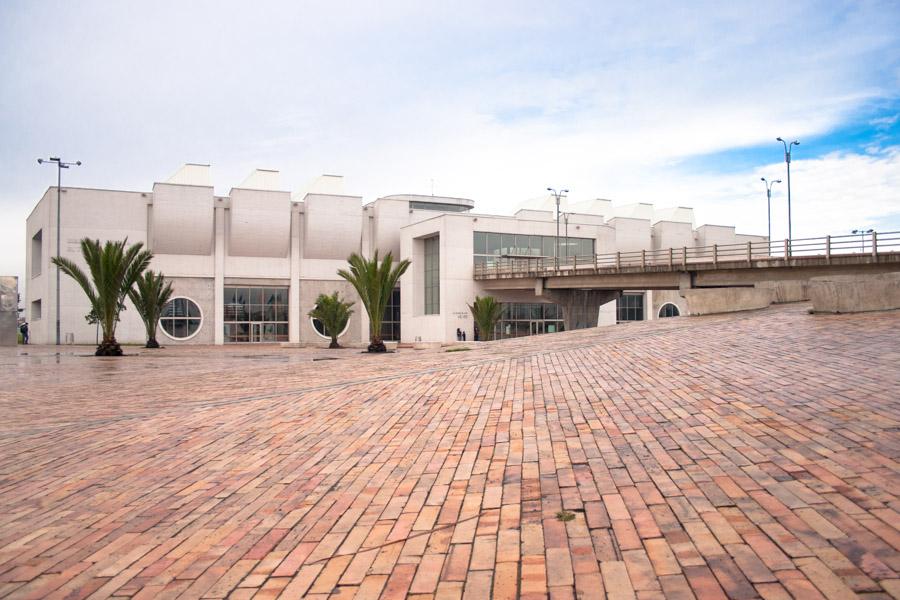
{"type": "Point", "coordinates": [557, 195]}
{"type": "Point", "coordinates": [769, 185]}
{"type": "Point", "coordinates": [787, 160]}
{"type": "Point", "coordinates": [862, 237]}
{"type": "Point", "coordinates": [60, 165]}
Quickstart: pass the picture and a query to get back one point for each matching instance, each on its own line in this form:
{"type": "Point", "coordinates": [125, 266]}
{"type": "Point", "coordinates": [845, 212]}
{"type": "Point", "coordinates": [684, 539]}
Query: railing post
{"type": "Point", "coordinates": [618, 260]}
{"type": "Point", "coordinates": [684, 257]}
{"type": "Point", "coordinates": [643, 258]}
{"type": "Point", "coordinates": [595, 262]}
{"type": "Point", "coordinates": [875, 245]}
{"type": "Point", "coordinates": [787, 249]}
{"type": "Point", "coordinates": [749, 254]}
{"type": "Point", "coordinates": [828, 249]}
{"type": "Point", "coordinates": [574, 262]}
{"type": "Point", "coordinates": [670, 259]}
{"type": "Point", "coordinates": [715, 255]}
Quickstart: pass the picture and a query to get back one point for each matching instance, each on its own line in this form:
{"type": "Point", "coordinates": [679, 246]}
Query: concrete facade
{"type": "Point", "coordinates": [264, 241]}
{"type": "Point", "coordinates": [9, 314]}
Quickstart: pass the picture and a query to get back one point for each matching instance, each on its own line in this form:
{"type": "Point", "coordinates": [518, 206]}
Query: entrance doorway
{"type": "Point", "coordinates": [262, 333]}
{"type": "Point", "coordinates": [537, 327]}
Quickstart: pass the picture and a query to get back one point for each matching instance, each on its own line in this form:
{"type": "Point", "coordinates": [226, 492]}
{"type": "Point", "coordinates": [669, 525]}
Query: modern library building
{"type": "Point", "coordinates": [248, 267]}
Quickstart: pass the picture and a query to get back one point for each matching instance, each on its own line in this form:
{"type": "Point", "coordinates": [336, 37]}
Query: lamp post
{"type": "Point", "coordinates": [565, 216]}
{"type": "Point", "coordinates": [557, 195]}
{"type": "Point", "coordinates": [60, 165]}
{"type": "Point", "coordinates": [787, 161]}
{"type": "Point", "coordinates": [862, 238]}
{"type": "Point", "coordinates": [769, 186]}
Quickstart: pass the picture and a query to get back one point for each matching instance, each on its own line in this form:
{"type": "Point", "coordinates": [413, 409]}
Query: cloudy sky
{"type": "Point", "coordinates": [671, 103]}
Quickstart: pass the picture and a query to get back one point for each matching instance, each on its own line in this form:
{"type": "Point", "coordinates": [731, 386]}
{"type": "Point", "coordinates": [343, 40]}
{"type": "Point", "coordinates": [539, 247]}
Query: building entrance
{"type": "Point", "coordinates": [263, 333]}
{"type": "Point", "coordinates": [537, 327]}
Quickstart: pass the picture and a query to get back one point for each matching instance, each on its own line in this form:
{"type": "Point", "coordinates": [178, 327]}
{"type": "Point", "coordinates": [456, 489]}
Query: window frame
{"type": "Point", "coordinates": [185, 318]}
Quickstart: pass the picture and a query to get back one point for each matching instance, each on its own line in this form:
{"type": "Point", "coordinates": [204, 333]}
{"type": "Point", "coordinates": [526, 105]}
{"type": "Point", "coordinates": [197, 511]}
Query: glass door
{"type": "Point", "coordinates": [537, 327]}
{"type": "Point", "coordinates": [256, 332]}
{"type": "Point", "coordinates": [263, 333]}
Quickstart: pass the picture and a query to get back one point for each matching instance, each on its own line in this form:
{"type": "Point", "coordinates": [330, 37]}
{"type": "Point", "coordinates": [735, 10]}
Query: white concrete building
{"type": "Point", "coordinates": [249, 266]}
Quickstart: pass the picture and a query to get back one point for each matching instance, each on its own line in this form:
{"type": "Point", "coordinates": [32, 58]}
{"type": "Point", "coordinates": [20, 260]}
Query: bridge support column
{"type": "Point", "coordinates": [581, 308]}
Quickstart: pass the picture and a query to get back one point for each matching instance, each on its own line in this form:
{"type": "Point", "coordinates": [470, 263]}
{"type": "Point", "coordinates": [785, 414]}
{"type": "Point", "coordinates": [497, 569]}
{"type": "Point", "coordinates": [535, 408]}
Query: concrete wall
{"type": "Point", "coordinates": [310, 290]}
{"type": "Point", "coordinates": [658, 298]}
{"type": "Point", "coordinates": [851, 293]}
{"type": "Point", "coordinates": [9, 314]}
{"type": "Point", "coordinates": [333, 226]}
{"type": "Point", "coordinates": [201, 291]}
{"type": "Point", "coordinates": [725, 300]}
{"type": "Point", "coordinates": [631, 234]}
{"type": "Point", "coordinates": [258, 226]}
{"type": "Point", "coordinates": [669, 234]}
{"type": "Point", "coordinates": [182, 219]}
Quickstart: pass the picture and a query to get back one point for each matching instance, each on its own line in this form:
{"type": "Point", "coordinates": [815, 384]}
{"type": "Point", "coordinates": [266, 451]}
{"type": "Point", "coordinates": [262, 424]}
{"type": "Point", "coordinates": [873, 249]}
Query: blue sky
{"type": "Point", "coordinates": [676, 104]}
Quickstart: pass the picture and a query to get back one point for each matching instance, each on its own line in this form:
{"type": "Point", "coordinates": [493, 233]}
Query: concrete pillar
{"type": "Point", "coordinates": [219, 276]}
{"type": "Point", "coordinates": [294, 292]}
{"type": "Point", "coordinates": [581, 307]}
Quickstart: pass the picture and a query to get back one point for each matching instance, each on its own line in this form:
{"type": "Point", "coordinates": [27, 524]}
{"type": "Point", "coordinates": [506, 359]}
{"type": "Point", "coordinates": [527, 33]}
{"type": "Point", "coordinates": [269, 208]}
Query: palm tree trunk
{"type": "Point", "coordinates": [334, 342]}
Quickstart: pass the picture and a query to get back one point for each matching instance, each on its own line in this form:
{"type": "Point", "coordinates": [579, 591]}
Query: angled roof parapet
{"type": "Point", "coordinates": [192, 174]}
{"type": "Point", "coordinates": [262, 179]}
{"type": "Point", "coordinates": [329, 185]}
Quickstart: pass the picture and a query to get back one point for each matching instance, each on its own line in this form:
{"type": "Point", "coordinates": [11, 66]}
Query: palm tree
{"type": "Point", "coordinates": [149, 295]}
{"type": "Point", "coordinates": [486, 312]}
{"type": "Point", "coordinates": [113, 270]}
{"type": "Point", "coordinates": [374, 282]}
{"type": "Point", "coordinates": [333, 313]}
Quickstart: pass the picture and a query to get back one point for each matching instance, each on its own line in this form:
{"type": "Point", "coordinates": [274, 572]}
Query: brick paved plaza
{"type": "Point", "coordinates": [751, 455]}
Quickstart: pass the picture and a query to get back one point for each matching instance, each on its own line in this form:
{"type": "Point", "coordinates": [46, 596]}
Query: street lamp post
{"type": "Point", "coordinates": [787, 160]}
{"type": "Point", "coordinates": [557, 195]}
{"type": "Point", "coordinates": [769, 186]}
{"type": "Point", "coordinates": [60, 165]}
{"type": "Point", "coordinates": [566, 219]}
{"type": "Point", "coordinates": [862, 238]}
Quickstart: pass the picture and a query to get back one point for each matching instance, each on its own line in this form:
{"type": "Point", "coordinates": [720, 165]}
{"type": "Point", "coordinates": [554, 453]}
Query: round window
{"type": "Point", "coordinates": [668, 310]}
{"type": "Point", "coordinates": [320, 329]}
{"type": "Point", "coordinates": [181, 318]}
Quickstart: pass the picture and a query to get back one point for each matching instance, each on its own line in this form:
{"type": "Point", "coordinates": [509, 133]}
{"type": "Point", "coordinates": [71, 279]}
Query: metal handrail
{"type": "Point", "coordinates": [874, 244]}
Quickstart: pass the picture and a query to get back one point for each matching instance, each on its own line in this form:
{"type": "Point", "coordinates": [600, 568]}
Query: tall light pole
{"type": "Point", "coordinates": [787, 161]}
{"type": "Point", "coordinates": [60, 165]}
{"type": "Point", "coordinates": [565, 216]}
{"type": "Point", "coordinates": [557, 195]}
{"type": "Point", "coordinates": [769, 186]}
{"type": "Point", "coordinates": [862, 238]}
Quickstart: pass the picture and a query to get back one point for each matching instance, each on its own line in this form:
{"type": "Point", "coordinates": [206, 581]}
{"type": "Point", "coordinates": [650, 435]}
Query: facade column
{"type": "Point", "coordinates": [219, 281]}
{"type": "Point", "coordinates": [294, 292]}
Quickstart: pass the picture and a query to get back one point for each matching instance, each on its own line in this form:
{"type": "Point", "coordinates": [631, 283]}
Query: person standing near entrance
{"type": "Point", "coordinates": [24, 330]}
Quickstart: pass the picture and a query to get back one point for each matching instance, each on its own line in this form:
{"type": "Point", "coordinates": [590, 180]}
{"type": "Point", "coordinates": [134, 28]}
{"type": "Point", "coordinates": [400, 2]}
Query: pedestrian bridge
{"type": "Point", "coordinates": [719, 265]}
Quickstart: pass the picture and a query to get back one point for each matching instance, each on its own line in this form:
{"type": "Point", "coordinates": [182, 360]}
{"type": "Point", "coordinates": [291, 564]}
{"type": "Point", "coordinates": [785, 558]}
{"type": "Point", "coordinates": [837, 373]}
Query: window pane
{"type": "Point", "coordinates": [535, 245]}
{"type": "Point", "coordinates": [192, 326]}
{"type": "Point", "coordinates": [256, 312]}
{"type": "Point", "coordinates": [192, 310]}
{"type": "Point", "coordinates": [507, 243]}
{"type": "Point", "coordinates": [493, 243]}
{"type": "Point", "coordinates": [256, 295]}
{"type": "Point", "coordinates": [281, 313]}
{"type": "Point", "coordinates": [549, 245]}
{"type": "Point", "coordinates": [522, 244]}
{"type": "Point", "coordinates": [479, 245]}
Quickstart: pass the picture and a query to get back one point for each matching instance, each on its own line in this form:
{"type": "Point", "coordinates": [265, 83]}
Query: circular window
{"type": "Point", "coordinates": [668, 310]}
{"type": "Point", "coordinates": [320, 329]}
{"type": "Point", "coordinates": [181, 318]}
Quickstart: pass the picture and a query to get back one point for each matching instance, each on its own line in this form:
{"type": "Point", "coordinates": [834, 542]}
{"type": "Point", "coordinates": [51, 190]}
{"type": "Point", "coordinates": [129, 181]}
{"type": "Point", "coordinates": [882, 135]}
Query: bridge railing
{"type": "Point", "coordinates": [870, 244]}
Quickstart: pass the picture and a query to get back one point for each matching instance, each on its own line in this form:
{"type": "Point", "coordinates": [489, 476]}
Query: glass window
{"type": "Point", "coordinates": [668, 310]}
{"type": "Point", "coordinates": [432, 276]}
{"type": "Point", "coordinates": [181, 318]}
{"type": "Point", "coordinates": [507, 243]}
{"type": "Point", "coordinates": [522, 243]}
{"type": "Point", "coordinates": [390, 324]}
{"type": "Point", "coordinates": [535, 246]}
{"type": "Point", "coordinates": [549, 246]}
{"type": "Point", "coordinates": [268, 312]}
{"type": "Point", "coordinates": [493, 243]}
{"type": "Point", "coordinates": [480, 243]}
{"type": "Point", "coordinates": [630, 307]}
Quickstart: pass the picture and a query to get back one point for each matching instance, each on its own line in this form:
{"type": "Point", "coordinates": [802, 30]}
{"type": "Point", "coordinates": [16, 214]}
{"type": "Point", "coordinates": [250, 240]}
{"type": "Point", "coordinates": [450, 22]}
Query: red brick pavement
{"type": "Point", "coordinates": [732, 456]}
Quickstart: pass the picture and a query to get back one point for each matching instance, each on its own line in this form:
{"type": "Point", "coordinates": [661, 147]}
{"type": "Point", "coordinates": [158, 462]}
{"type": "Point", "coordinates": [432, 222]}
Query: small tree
{"type": "Point", "coordinates": [149, 295]}
{"type": "Point", "coordinates": [333, 313]}
{"type": "Point", "coordinates": [374, 281]}
{"type": "Point", "coordinates": [486, 311]}
{"type": "Point", "coordinates": [113, 270]}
